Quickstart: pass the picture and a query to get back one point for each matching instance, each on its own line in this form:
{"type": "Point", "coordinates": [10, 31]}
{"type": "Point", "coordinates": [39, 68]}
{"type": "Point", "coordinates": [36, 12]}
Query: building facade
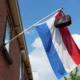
{"type": "Point", "coordinates": [14, 60]}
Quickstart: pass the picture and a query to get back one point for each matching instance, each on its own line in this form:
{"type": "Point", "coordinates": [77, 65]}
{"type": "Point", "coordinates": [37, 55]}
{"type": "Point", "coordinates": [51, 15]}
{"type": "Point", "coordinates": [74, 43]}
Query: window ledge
{"type": "Point", "coordinates": [6, 56]}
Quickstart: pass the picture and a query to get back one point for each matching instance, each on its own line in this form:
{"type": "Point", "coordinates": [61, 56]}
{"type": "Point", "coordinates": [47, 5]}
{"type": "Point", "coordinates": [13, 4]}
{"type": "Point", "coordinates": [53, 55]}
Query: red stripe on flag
{"type": "Point", "coordinates": [69, 43]}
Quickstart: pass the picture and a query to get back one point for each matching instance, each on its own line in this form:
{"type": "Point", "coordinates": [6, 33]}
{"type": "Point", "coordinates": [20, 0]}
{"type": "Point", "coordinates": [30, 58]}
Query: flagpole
{"type": "Point", "coordinates": [33, 25]}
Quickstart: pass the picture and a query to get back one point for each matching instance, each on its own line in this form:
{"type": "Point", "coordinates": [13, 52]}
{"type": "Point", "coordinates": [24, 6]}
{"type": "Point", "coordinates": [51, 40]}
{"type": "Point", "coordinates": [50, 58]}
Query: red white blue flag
{"type": "Point", "coordinates": [61, 50]}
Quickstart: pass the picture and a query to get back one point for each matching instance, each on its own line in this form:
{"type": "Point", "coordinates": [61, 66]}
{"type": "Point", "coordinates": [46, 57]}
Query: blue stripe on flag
{"type": "Point", "coordinates": [53, 57]}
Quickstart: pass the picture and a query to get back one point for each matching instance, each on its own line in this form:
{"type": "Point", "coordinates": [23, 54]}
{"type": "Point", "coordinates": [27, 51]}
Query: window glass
{"type": "Point", "coordinates": [21, 69]}
{"type": "Point", "coordinates": [7, 36]}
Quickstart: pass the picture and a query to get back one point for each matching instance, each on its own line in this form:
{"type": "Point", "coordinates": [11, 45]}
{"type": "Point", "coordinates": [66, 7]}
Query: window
{"type": "Point", "coordinates": [21, 69]}
{"type": "Point", "coordinates": [7, 36]}
{"type": "Point", "coordinates": [6, 48]}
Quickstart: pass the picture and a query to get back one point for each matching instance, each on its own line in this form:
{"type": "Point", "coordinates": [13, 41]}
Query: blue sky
{"type": "Point", "coordinates": [34, 10]}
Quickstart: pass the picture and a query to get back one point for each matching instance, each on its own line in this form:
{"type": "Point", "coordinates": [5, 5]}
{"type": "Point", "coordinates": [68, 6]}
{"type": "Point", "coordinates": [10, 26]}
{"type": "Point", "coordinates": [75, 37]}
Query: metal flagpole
{"type": "Point", "coordinates": [33, 25]}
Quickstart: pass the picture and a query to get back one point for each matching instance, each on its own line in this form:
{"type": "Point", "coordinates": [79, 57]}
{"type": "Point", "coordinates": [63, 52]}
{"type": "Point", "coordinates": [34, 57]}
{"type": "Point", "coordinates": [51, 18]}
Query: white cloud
{"type": "Point", "coordinates": [76, 38]}
{"type": "Point", "coordinates": [37, 43]}
{"type": "Point", "coordinates": [39, 62]}
{"type": "Point", "coordinates": [35, 76]}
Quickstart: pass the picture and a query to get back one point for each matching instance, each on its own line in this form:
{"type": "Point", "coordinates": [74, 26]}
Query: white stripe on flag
{"type": "Point", "coordinates": [63, 54]}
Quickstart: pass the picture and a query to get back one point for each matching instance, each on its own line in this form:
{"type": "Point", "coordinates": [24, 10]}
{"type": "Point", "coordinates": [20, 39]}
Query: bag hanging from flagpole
{"type": "Point", "coordinates": [63, 21]}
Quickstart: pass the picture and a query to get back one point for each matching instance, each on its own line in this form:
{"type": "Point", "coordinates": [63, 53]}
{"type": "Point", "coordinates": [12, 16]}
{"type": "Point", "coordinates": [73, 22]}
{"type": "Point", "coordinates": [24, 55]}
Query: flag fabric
{"type": "Point", "coordinates": [60, 48]}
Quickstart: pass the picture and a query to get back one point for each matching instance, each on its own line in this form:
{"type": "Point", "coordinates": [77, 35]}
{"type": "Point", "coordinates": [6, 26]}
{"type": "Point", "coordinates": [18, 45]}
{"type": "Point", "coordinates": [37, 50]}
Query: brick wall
{"type": "Point", "coordinates": [8, 72]}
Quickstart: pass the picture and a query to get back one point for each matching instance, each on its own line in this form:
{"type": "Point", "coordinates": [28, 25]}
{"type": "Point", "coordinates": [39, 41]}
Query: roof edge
{"type": "Point", "coordinates": [18, 23]}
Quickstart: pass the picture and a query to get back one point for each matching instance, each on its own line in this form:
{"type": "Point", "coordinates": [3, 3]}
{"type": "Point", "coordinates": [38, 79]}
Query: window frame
{"type": "Point", "coordinates": [10, 33]}
{"type": "Point", "coordinates": [5, 52]}
{"type": "Point", "coordinates": [21, 69]}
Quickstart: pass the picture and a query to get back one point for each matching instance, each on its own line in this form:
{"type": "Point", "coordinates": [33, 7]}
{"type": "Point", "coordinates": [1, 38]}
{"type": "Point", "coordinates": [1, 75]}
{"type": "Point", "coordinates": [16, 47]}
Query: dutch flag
{"type": "Point", "coordinates": [61, 50]}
